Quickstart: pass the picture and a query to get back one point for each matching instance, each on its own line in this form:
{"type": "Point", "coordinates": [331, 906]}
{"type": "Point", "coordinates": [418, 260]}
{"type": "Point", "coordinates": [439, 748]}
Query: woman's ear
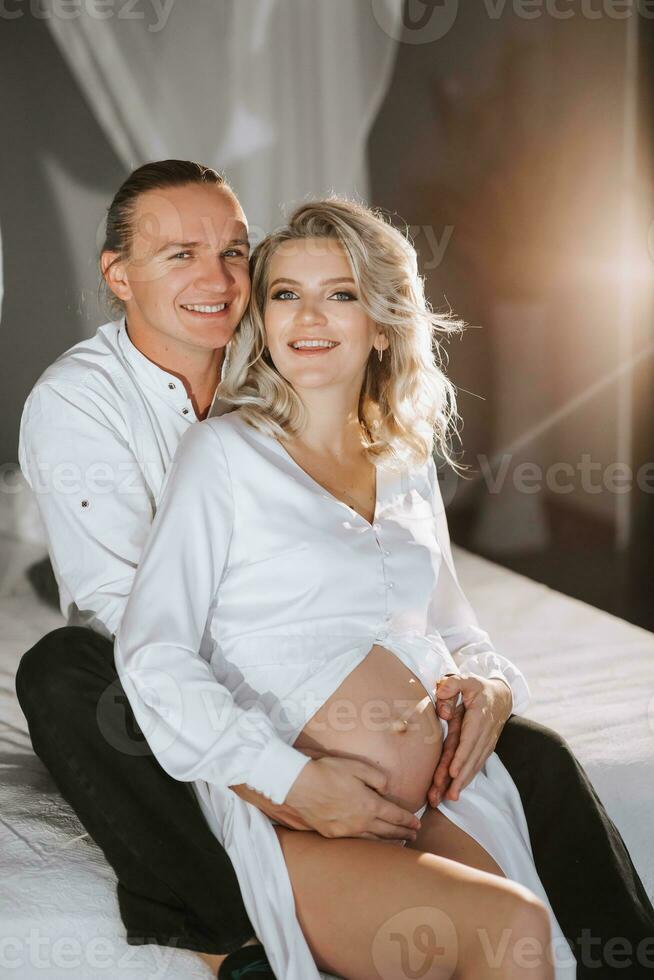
{"type": "Point", "coordinates": [114, 271]}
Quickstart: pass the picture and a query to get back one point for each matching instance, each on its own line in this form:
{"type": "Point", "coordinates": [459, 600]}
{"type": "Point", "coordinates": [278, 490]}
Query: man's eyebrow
{"type": "Point", "coordinates": [325, 282]}
{"type": "Point", "coordinates": [186, 245]}
{"type": "Point", "coordinates": [180, 245]}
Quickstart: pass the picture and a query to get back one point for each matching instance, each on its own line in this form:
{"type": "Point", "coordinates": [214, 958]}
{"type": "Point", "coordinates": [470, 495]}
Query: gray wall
{"type": "Point", "coordinates": [57, 173]}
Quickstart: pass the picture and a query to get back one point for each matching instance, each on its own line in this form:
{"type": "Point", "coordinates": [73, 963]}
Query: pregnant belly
{"type": "Point", "coordinates": [382, 714]}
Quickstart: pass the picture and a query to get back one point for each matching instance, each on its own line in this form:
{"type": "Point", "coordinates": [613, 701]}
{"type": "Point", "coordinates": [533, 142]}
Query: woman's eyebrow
{"type": "Point", "coordinates": [325, 282]}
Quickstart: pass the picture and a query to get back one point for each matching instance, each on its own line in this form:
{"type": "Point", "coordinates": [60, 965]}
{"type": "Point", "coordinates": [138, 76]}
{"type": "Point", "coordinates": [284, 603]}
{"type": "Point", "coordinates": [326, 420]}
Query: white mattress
{"type": "Point", "coordinates": [592, 678]}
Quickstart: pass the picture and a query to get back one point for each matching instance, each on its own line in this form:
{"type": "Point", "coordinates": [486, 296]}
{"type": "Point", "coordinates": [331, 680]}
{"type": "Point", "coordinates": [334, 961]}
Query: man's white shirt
{"type": "Point", "coordinates": [98, 432]}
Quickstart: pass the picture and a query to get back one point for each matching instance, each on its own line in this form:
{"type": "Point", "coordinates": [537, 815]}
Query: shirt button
{"type": "Point", "coordinates": [389, 585]}
{"type": "Point", "coordinates": [185, 411]}
{"type": "Point", "coordinates": [171, 385]}
{"type": "Point", "coordinates": [386, 553]}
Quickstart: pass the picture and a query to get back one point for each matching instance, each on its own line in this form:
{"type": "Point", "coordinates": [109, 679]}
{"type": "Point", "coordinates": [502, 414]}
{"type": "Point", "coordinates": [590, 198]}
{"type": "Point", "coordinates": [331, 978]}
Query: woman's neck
{"type": "Point", "coordinates": [332, 428]}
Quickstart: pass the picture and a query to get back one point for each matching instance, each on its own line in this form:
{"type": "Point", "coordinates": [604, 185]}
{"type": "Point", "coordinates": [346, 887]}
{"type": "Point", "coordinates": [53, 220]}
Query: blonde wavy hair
{"type": "Point", "coordinates": [407, 406]}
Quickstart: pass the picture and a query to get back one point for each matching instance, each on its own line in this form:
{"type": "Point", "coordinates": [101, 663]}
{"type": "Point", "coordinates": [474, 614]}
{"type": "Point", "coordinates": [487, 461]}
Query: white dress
{"type": "Point", "coordinates": [257, 593]}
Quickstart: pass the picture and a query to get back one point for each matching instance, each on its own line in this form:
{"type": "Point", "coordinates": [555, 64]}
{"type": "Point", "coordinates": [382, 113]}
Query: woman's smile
{"type": "Point", "coordinates": [308, 347]}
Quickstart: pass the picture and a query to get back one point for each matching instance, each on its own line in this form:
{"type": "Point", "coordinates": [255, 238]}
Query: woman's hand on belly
{"type": "Point", "coordinates": [487, 706]}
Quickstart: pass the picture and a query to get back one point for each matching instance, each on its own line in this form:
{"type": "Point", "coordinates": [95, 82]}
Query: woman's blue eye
{"type": "Point", "coordinates": [282, 293]}
{"type": "Point", "coordinates": [344, 292]}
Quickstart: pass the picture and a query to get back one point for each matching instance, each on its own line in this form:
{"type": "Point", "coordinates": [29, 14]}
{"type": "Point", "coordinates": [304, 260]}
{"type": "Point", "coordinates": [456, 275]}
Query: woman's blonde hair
{"type": "Point", "coordinates": [407, 403]}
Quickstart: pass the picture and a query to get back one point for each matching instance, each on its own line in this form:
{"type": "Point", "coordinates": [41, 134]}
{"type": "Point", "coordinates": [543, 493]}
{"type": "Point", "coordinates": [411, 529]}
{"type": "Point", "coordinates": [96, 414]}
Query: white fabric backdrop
{"type": "Point", "coordinates": [278, 93]}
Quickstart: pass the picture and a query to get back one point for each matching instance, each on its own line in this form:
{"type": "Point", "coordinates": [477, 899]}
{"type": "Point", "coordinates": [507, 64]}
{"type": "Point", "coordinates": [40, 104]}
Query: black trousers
{"type": "Point", "coordinates": [176, 884]}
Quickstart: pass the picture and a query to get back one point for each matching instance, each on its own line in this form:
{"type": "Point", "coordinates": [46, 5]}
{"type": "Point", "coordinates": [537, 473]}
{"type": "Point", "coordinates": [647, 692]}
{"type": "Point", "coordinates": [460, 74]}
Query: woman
{"type": "Point", "coordinates": [294, 610]}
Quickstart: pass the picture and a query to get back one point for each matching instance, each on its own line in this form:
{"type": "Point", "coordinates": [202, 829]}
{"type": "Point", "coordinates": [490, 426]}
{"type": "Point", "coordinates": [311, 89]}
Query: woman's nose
{"type": "Point", "coordinates": [311, 313]}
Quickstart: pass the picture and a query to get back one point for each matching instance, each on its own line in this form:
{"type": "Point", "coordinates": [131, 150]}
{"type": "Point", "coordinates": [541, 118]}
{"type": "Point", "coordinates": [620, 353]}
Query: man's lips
{"type": "Point", "coordinates": [206, 309]}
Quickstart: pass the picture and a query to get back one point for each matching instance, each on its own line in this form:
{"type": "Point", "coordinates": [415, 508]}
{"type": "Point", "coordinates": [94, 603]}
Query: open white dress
{"type": "Point", "coordinates": [258, 592]}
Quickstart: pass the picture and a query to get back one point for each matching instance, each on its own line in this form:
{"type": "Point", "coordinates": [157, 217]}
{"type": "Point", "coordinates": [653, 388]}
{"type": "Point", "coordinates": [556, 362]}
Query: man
{"type": "Point", "coordinates": [97, 436]}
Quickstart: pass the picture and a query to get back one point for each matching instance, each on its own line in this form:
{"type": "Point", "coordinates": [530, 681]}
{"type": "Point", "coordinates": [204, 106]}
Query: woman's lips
{"type": "Point", "coordinates": [312, 351]}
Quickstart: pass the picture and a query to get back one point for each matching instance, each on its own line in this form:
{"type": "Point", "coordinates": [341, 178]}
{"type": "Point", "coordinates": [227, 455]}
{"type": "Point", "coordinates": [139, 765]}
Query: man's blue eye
{"type": "Point", "coordinates": [236, 251]}
{"type": "Point", "coordinates": [181, 255]}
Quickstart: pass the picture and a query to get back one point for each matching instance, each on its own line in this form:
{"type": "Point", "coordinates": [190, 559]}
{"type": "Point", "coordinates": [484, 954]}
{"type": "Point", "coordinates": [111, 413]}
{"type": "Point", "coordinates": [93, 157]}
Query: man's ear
{"type": "Point", "coordinates": [114, 271]}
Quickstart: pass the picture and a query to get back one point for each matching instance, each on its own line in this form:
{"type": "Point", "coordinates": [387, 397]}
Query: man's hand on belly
{"type": "Point", "coordinates": [343, 797]}
{"type": "Point", "coordinates": [280, 812]}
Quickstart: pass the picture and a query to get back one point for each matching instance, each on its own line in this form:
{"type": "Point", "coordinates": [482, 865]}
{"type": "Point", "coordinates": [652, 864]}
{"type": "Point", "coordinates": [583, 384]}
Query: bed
{"type": "Point", "coordinates": [592, 679]}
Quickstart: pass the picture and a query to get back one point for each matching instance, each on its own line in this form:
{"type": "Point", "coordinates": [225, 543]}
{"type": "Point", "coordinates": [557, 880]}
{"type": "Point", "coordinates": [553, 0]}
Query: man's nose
{"type": "Point", "coordinates": [215, 274]}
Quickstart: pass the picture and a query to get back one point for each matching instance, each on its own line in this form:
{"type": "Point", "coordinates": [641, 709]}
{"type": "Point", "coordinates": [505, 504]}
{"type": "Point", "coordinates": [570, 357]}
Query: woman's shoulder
{"type": "Point", "coordinates": [230, 429]}
{"type": "Point", "coordinates": [231, 437]}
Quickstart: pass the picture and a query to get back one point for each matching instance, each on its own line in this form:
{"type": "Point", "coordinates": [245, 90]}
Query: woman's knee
{"type": "Point", "coordinates": [53, 668]}
{"type": "Point", "coordinates": [514, 941]}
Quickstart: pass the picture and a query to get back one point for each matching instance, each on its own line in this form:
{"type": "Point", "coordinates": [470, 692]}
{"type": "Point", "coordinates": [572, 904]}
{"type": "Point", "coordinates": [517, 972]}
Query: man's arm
{"type": "Point", "coordinates": [92, 498]}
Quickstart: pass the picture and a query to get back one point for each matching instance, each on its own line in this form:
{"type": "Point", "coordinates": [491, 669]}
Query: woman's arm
{"type": "Point", "coordinates": [193, 726]}
{"type": "Point", "coordinates": [453, 617]}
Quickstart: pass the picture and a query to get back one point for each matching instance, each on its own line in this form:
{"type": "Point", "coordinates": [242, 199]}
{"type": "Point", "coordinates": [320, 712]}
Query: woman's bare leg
{"type": "Point", "coordinates": [438, 835]}
{"type": "Point", "coordinates": [372, 910]}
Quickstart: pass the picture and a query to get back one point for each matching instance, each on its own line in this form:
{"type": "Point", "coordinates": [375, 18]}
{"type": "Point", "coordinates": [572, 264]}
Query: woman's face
{"type": "Point", "coordinates": [317, 331]}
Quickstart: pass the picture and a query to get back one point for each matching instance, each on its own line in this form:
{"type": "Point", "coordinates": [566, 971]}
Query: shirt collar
{"type": "Point", "coordinates": [150, 375]}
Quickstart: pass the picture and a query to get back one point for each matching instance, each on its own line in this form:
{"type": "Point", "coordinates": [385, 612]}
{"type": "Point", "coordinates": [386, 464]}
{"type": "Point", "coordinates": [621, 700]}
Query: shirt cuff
{"type": "Point", "coordinates": [486, 665]}
{"type": "Point", "coordinates": [276, 769]}
{"type": "Point", "coordinates": [498, 675]}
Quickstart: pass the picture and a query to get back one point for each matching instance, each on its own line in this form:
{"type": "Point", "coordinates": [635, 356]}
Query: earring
{"type": "Point", "coordinates": [380, 354]}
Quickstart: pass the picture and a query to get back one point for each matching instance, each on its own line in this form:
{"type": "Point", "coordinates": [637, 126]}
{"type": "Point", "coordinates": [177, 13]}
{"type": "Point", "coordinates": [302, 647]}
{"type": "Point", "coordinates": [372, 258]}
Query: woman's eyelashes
{"type": "Point", "coordinates": [344, 295]}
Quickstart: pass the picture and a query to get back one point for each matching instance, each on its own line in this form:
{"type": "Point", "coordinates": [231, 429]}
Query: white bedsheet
{"type": "Point", "coordinates": [592, 677]}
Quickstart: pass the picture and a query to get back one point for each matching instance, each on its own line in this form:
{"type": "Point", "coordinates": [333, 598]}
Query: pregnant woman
{"type": "Point", "coordinates": [294, 611]}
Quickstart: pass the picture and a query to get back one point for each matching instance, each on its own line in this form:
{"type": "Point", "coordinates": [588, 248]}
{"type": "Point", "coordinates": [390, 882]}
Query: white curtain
{"type": "Point", "coordinates": [280, 94]}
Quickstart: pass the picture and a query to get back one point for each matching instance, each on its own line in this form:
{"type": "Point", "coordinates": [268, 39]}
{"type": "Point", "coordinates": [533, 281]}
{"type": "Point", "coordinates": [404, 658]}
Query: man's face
{"type": "Point", "coordinates": [187, 275]}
